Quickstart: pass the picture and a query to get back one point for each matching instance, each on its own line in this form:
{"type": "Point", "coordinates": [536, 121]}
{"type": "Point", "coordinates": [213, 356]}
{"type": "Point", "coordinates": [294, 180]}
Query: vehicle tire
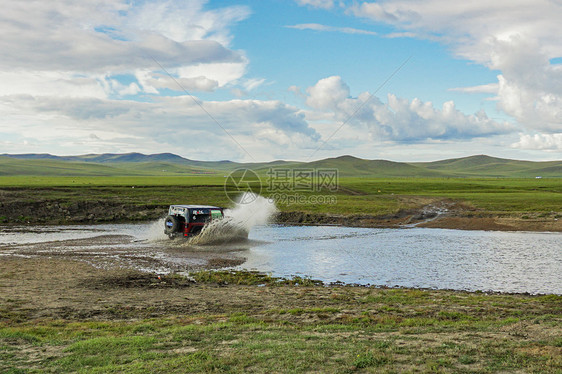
{"type": "Point", "coordinates": [171, 225]}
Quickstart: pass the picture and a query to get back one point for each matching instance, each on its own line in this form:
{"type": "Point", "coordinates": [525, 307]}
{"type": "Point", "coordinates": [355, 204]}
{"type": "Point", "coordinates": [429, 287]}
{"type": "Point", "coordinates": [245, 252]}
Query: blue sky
{"type": "Point", "coordinates": [272, 79]}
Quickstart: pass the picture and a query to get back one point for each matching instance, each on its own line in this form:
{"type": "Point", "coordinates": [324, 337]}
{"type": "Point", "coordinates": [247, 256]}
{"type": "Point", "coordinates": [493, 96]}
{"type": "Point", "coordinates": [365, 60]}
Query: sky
{"type": "Point", "coordinates": [262, 80]}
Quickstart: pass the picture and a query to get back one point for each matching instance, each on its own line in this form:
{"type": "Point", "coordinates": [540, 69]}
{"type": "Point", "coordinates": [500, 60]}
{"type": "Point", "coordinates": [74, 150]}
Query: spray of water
{"type": "Point", "coordinates": [251, 210]}
{"type": "Point", "coordinates": [155, 232]}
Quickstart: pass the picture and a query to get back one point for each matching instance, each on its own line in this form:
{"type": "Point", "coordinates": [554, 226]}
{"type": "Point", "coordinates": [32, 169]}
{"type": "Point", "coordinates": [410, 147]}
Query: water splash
{"type": "Point", "coordinates": [155, 232]}
{"type": "Point", "coordinates": [251, 210]}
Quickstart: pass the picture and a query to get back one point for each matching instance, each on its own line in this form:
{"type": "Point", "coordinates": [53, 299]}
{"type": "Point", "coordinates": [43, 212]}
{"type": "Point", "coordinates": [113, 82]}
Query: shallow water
{"type": "Point", "coordinates": [415, 257]}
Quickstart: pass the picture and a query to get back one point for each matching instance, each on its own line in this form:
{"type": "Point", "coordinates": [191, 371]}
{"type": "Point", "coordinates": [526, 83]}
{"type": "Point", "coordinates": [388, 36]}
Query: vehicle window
{"type": "Point", "coordinates": [199, 215]}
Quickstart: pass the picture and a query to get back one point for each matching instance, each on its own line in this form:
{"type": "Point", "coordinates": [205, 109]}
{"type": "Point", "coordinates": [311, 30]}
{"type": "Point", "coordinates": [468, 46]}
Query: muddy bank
{"type": "Point", "coordinates": [455, 219]}
{"type": "Point", "coordinates": [63, 212]}
{"type": "Point", "coordinates": [122, 251]}
{"type": "Point", "coordinates": [497, 223]}
{"type": "Point", "coordinates": [55, 288]}
{"type": "Point", "coordinates": [399, 219]}
{"type": "Point", "coordinates": [17, 208]}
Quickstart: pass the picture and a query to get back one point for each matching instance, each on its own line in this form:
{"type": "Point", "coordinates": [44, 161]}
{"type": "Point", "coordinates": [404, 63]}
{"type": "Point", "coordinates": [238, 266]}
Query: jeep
{"type": "Point", "coordinates": [189, 220]}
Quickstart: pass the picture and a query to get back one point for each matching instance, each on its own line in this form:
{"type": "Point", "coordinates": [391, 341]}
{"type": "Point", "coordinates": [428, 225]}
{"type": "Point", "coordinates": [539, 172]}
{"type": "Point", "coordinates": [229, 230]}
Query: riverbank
{"type": "Point", "coordinates": [455, 219]}
{"type": "Point", "coordinates": [62, 315]}
{"type": "Point", "coordinates": [445, 214]}
{"type": "Point", "coordinates": [457, 203]}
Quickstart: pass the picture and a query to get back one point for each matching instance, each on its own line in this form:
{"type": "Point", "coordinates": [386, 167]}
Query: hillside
{"type": "Point", "coordinates": [102, 158]}
{"type": "Point", "coordinates": [352, 166]}
{"type": "Point", "coordinates": [52, 167]}
{"type": "Point", "coordinates": [486, 166]}
{"type": "Point", "coordinates": [132, 164]}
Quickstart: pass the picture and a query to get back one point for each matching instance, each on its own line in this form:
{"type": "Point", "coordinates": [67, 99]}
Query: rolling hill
{"type": "Point", "coordinates": [486, 166]}
{"type": "Point", "coordinates": [352, 166]}
{"type": "Point", "coordinates": [132, 164]}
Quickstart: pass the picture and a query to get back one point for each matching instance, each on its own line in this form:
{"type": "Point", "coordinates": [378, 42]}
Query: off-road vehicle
{"type": "Point", "coordinates": [189, 220]}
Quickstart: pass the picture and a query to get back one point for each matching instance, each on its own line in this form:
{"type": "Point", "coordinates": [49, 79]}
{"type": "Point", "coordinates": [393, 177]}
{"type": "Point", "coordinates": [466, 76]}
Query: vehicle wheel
{"type": "Point", "coordinates": [171, 225]}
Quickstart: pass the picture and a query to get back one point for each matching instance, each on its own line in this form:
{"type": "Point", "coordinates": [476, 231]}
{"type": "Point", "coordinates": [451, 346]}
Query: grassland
{"type": "Point", "coordinates": [168, 164]}
{"type": "Point", "coordinates": [100, 321]}
{"type": "Point", "coordinates": [473, 186]}
{"type": "Point", "coordinates": [374, 196]}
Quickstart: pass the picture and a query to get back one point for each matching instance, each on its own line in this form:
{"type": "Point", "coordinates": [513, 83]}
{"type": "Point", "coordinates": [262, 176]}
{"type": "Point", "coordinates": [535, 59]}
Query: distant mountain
{"type": "Point", "coordinates": [110, 164]}
{"type": "Point", "coordinates": [486, 166]}
{"type": "Point", "coordinates": [353, 166]}
{"type": "Point", "coordinates": [51, 167]}
{"type": "Point", "coordinates": [103, 158]}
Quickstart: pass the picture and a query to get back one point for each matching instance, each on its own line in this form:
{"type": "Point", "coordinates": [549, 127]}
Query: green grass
{"type": "Point", "coordinates": [348, 166]}
{"type": "Point", "coordinates": [375, 196]}
{"type": "Point", "coordinates": [347, 330]}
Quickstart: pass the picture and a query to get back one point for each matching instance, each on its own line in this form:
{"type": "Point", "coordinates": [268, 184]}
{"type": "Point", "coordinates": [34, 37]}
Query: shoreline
{"type": "Point", "coordinates": [68, 316]}
{"type": "Point", "coordinates": [24, 280]}
{"type": "Point", "coordinates": [431, 213]}
{"type": "Point", "coordinates": [484, 221]}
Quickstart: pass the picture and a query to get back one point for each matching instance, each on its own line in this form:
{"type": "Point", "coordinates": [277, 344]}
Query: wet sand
{"type": "Point", "coordinates": [119, 251]}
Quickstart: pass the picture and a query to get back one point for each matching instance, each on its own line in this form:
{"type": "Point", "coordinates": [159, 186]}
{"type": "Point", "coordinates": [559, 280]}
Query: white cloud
{"type": "Point", "coordinates": [517, 37]}
{"type": "Point", "coordinates": [51, 83]}
{"type": "Point", "coordinates": [253, 83]}
{"type": "Point", "coordinates": [174, 124]}
{"type": "Point", "coordinates": [491, 88]}
{"type": "Point", "coordinates": [327, 93]}
{"type": "Point", "coordinates": [90, 39]}
{"type": "Point", "coordinates": [548, 142]}
{"type": "Point", "coordinates": [222, 73]}
{"type": "Point", "coordinates": [400, 119]}
{"type": "Point", "coordinates": [186, 20]}
{"type": "Point", "coordinates": [530, 88]}
{"type": "Point", "coordinates": [323, 4]}
{"type": "Point", "coordinates": [319, 27]}
{"type": "Point", "coordinates": [153, 82]}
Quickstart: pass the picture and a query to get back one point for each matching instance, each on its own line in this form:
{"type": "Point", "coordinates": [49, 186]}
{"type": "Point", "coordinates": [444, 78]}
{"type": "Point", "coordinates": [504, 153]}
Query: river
{"type": "Point", "coordinates": [521, 262]}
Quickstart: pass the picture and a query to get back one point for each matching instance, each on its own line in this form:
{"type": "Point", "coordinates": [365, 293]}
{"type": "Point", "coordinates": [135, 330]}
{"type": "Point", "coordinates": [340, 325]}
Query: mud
{"type": "Point", "coordinates": [15, 209]}
{"type": "Point", "coordinates": [41, 288]}
{"type": "Point", "coordinates": [126, 252]}
{"type": "Point", "coordinates": [59, 289]}
{"type": "Point", "coordinates": [444, 215]}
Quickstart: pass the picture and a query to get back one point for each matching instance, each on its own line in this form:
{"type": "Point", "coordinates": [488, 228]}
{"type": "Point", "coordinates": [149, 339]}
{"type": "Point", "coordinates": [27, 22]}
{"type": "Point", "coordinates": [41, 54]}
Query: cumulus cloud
{"type": "Point", "coordinates": [400, 119]}
{"type": "Point", "coordinates": [327, 93]}
{"type": "Point", "coordinates": [516, 37]}
{"type": "Point", "coordinates": [530, 88]}
{"type": "Point", "coordinates": [548, 142]}
{"type": "Point", "coordinates": [168, 123]}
